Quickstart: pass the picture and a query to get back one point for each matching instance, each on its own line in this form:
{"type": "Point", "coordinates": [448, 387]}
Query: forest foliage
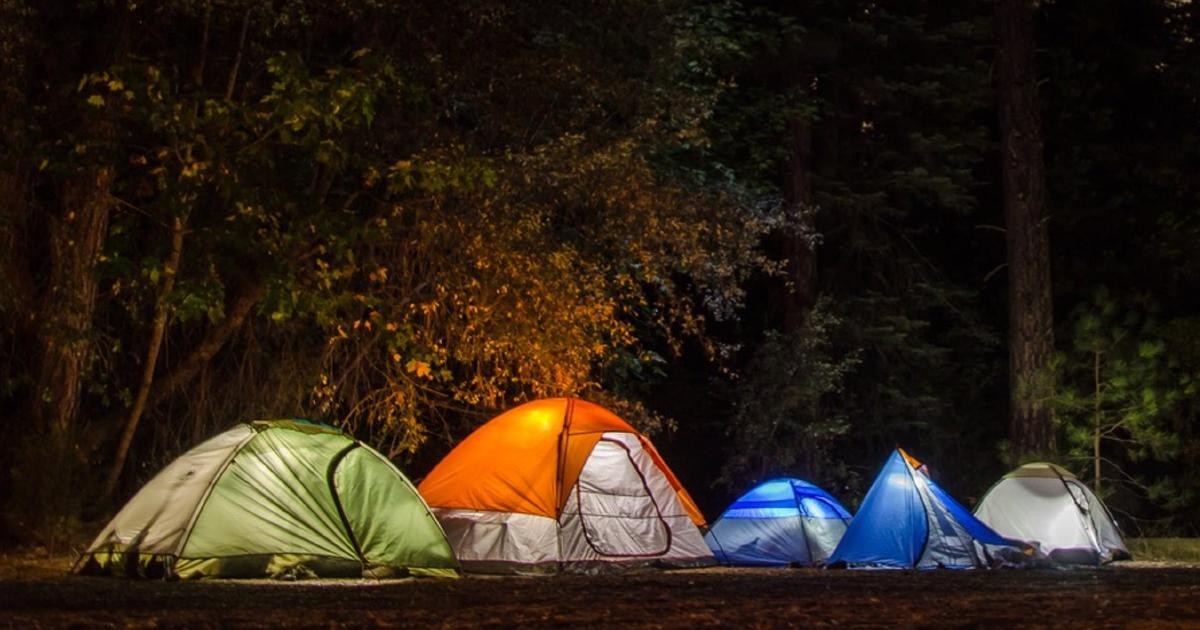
{"type": "Point", "coordinates": [401, 218]}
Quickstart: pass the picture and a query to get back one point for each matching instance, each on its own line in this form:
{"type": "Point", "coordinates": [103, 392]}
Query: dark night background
{"type": "Point", "coordinates": [774, 235]}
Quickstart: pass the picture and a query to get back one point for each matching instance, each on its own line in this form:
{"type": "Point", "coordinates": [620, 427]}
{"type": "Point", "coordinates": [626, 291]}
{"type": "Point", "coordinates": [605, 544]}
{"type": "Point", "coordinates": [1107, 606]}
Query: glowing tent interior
{"type": "Point", "coordinates": [779, 522]}
{"type": "Point", "coordinates": [1046, 504]}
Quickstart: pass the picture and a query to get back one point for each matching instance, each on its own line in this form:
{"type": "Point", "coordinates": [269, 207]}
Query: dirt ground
{"type": "Point", "coordinates": [1127, 595]}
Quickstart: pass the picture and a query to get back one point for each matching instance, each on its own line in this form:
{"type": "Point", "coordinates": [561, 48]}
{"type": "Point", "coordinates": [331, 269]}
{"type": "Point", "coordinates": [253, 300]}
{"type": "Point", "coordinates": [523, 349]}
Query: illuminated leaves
{"type": "Point", "coordinates": [418, 368]}
{"type": "Point", "coordinates": [530, 285]}
{"type": "Point", "coordinates": [435, 234]}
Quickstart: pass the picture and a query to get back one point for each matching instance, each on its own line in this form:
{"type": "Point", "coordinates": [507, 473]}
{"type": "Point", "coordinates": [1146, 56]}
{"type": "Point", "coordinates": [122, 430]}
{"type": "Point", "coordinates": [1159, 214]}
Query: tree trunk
{"type": "Point", "coordinates": [77, 232]}
{"type": "Point", "coordinates": [158, 329]}
{"type": "Point", "coordinates": [799, 255]}
{"type": "Point", "coordinates": [1096, 430]}
{"type": "Point", "coordinates": [1030, 315]}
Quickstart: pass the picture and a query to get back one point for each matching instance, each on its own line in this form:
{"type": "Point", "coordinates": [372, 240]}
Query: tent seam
{"type": "Point", "coordinates": [924, 507]}
{"type": "Point", "coordinates": [187, 532]}
{"type": "Point", "coordinates": [330, 471]}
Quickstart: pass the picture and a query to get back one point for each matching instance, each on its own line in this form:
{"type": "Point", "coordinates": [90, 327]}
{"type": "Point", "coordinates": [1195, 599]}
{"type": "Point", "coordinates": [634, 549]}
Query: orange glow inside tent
{"type": "Point", "coordinates": [528, 458]}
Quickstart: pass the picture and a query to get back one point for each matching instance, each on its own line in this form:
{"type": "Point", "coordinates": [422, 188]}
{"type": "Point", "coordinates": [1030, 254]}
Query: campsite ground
{"type": "Point", "coordinates": [35, 593]}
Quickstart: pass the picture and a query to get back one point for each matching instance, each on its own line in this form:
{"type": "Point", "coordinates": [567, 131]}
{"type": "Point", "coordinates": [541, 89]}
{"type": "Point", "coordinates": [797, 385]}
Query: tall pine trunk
{"type": "Point", "coordinates": [1030, 314]}
{"type": "Point", "coordinates": [798, 253]}
{"type": "Point", "coordinates": [1098, 418]}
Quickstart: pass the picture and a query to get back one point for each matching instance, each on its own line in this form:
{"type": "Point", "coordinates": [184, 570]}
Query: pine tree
{"type": "Point", "coordinates": [1030, 307]}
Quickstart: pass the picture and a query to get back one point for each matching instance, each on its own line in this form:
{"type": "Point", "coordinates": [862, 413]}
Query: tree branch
{"type": "Point", "coordinates": [237, 61]}
{"type": "Point", "coordinates": [216, 338]}
{"type": "Point", "coordinates": [198, 74]}
{"type": "Point", "coordinates": [170, 268]}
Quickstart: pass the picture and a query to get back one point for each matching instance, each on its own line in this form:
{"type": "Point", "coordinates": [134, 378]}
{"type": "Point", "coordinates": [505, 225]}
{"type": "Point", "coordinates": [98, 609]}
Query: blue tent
{"type": "Point", "coordinates": [907, 521]}
{"type": "Point", "coordinates": [778, 523]}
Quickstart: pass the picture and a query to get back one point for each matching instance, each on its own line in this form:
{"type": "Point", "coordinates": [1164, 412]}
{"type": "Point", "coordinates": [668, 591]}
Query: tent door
{"type": "Point", "coordinates": [617, 512]}
{"type": "Point", "coordinates": [1086, 518]}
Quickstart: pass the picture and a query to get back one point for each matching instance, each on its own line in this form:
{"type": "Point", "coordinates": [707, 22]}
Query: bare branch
{"type": "Point", "coordinates": [170, 268]}
{"type": "Point", "coordinates": [237, 61]}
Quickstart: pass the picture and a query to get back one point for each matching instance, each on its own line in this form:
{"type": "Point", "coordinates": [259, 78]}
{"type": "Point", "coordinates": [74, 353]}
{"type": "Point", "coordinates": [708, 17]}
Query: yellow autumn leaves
{"type": "Point", "coordinates": [482, 296]}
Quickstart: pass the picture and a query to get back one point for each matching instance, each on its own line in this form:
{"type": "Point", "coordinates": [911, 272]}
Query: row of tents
{"type": "Point", "coordinates": [1038, 513]}
{"type": "Point", "coordinates": [555, 485]}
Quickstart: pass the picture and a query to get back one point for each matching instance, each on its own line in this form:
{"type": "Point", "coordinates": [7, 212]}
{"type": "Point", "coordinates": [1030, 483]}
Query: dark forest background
{"type": "Point", "coordinates": [783, 238]}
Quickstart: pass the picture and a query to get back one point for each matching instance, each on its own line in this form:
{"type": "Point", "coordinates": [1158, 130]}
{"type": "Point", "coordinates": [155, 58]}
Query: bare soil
{"type": "Point", "coordinates": [37, 594]}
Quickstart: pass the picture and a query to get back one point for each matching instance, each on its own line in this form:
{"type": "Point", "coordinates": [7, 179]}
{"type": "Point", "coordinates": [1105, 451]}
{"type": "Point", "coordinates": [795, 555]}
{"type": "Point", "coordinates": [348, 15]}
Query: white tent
{"type": "Point", "coordinates": [1046, 504]}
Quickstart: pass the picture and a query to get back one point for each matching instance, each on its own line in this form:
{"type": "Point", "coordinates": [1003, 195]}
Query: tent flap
{"type": "Point", "coordinates": [391, 523]}
{"type": "Point", "coordinates": [890, 528]}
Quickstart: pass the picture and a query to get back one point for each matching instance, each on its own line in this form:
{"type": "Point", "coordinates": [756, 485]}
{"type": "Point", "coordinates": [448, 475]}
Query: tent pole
{"type": "Point", "coordinates": [212, 483]}
{"type": "Point", "coordinates": [337, 500]}
{"type": "Point", "coordinates": [803, 524]}
{"type": "Point", "coordinates": [563, 437]}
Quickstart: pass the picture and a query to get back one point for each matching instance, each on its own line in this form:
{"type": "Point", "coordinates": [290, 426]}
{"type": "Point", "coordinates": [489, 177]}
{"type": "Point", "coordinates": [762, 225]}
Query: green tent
{"type": "Point", "coordinates": [277, 498]}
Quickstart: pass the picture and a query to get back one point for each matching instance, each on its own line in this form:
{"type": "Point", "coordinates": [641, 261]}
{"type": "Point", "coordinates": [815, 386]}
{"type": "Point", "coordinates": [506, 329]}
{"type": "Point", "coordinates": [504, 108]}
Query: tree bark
{"type": "Point", "coordinates": [77, 233]}
{"type": "Point", "coordinates": [158, 329]}
{"type": "Point", "coordinates": [1030, 315]}
{"type": "Point", "coordinates": [237, 61]}
{"type": "Point", "coordinates": [799, 255]}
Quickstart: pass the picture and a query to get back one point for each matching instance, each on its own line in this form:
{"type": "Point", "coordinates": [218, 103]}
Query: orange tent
{"type": "Point", "coordinates": [559, 463]}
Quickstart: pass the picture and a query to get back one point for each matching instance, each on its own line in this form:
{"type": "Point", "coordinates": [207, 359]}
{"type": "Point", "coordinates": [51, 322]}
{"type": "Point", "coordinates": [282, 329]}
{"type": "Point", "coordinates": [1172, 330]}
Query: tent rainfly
{"type": "Point", "coordinates": [907, 521]}
{"type": "Point", "coordinates": [562, 484]}
{"type": "Point", "coordinates": [275, 498]}
{"type": "Point", "coordinates": [779, 522]}
{"type": "Point", "coordinates": [1046, 504]}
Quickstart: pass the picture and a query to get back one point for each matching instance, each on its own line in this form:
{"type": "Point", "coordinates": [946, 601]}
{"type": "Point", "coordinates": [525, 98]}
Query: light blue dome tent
{"type": "Point", "coordinates": [779, 523]}
{"type": "Point", "coordinates": [907, 521]}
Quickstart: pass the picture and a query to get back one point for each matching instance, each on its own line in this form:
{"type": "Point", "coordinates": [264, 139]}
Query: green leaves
{"type": "Point", "coordinates": [783, 420]}
{"type": "Point", "coordinates": [1120, 393]}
